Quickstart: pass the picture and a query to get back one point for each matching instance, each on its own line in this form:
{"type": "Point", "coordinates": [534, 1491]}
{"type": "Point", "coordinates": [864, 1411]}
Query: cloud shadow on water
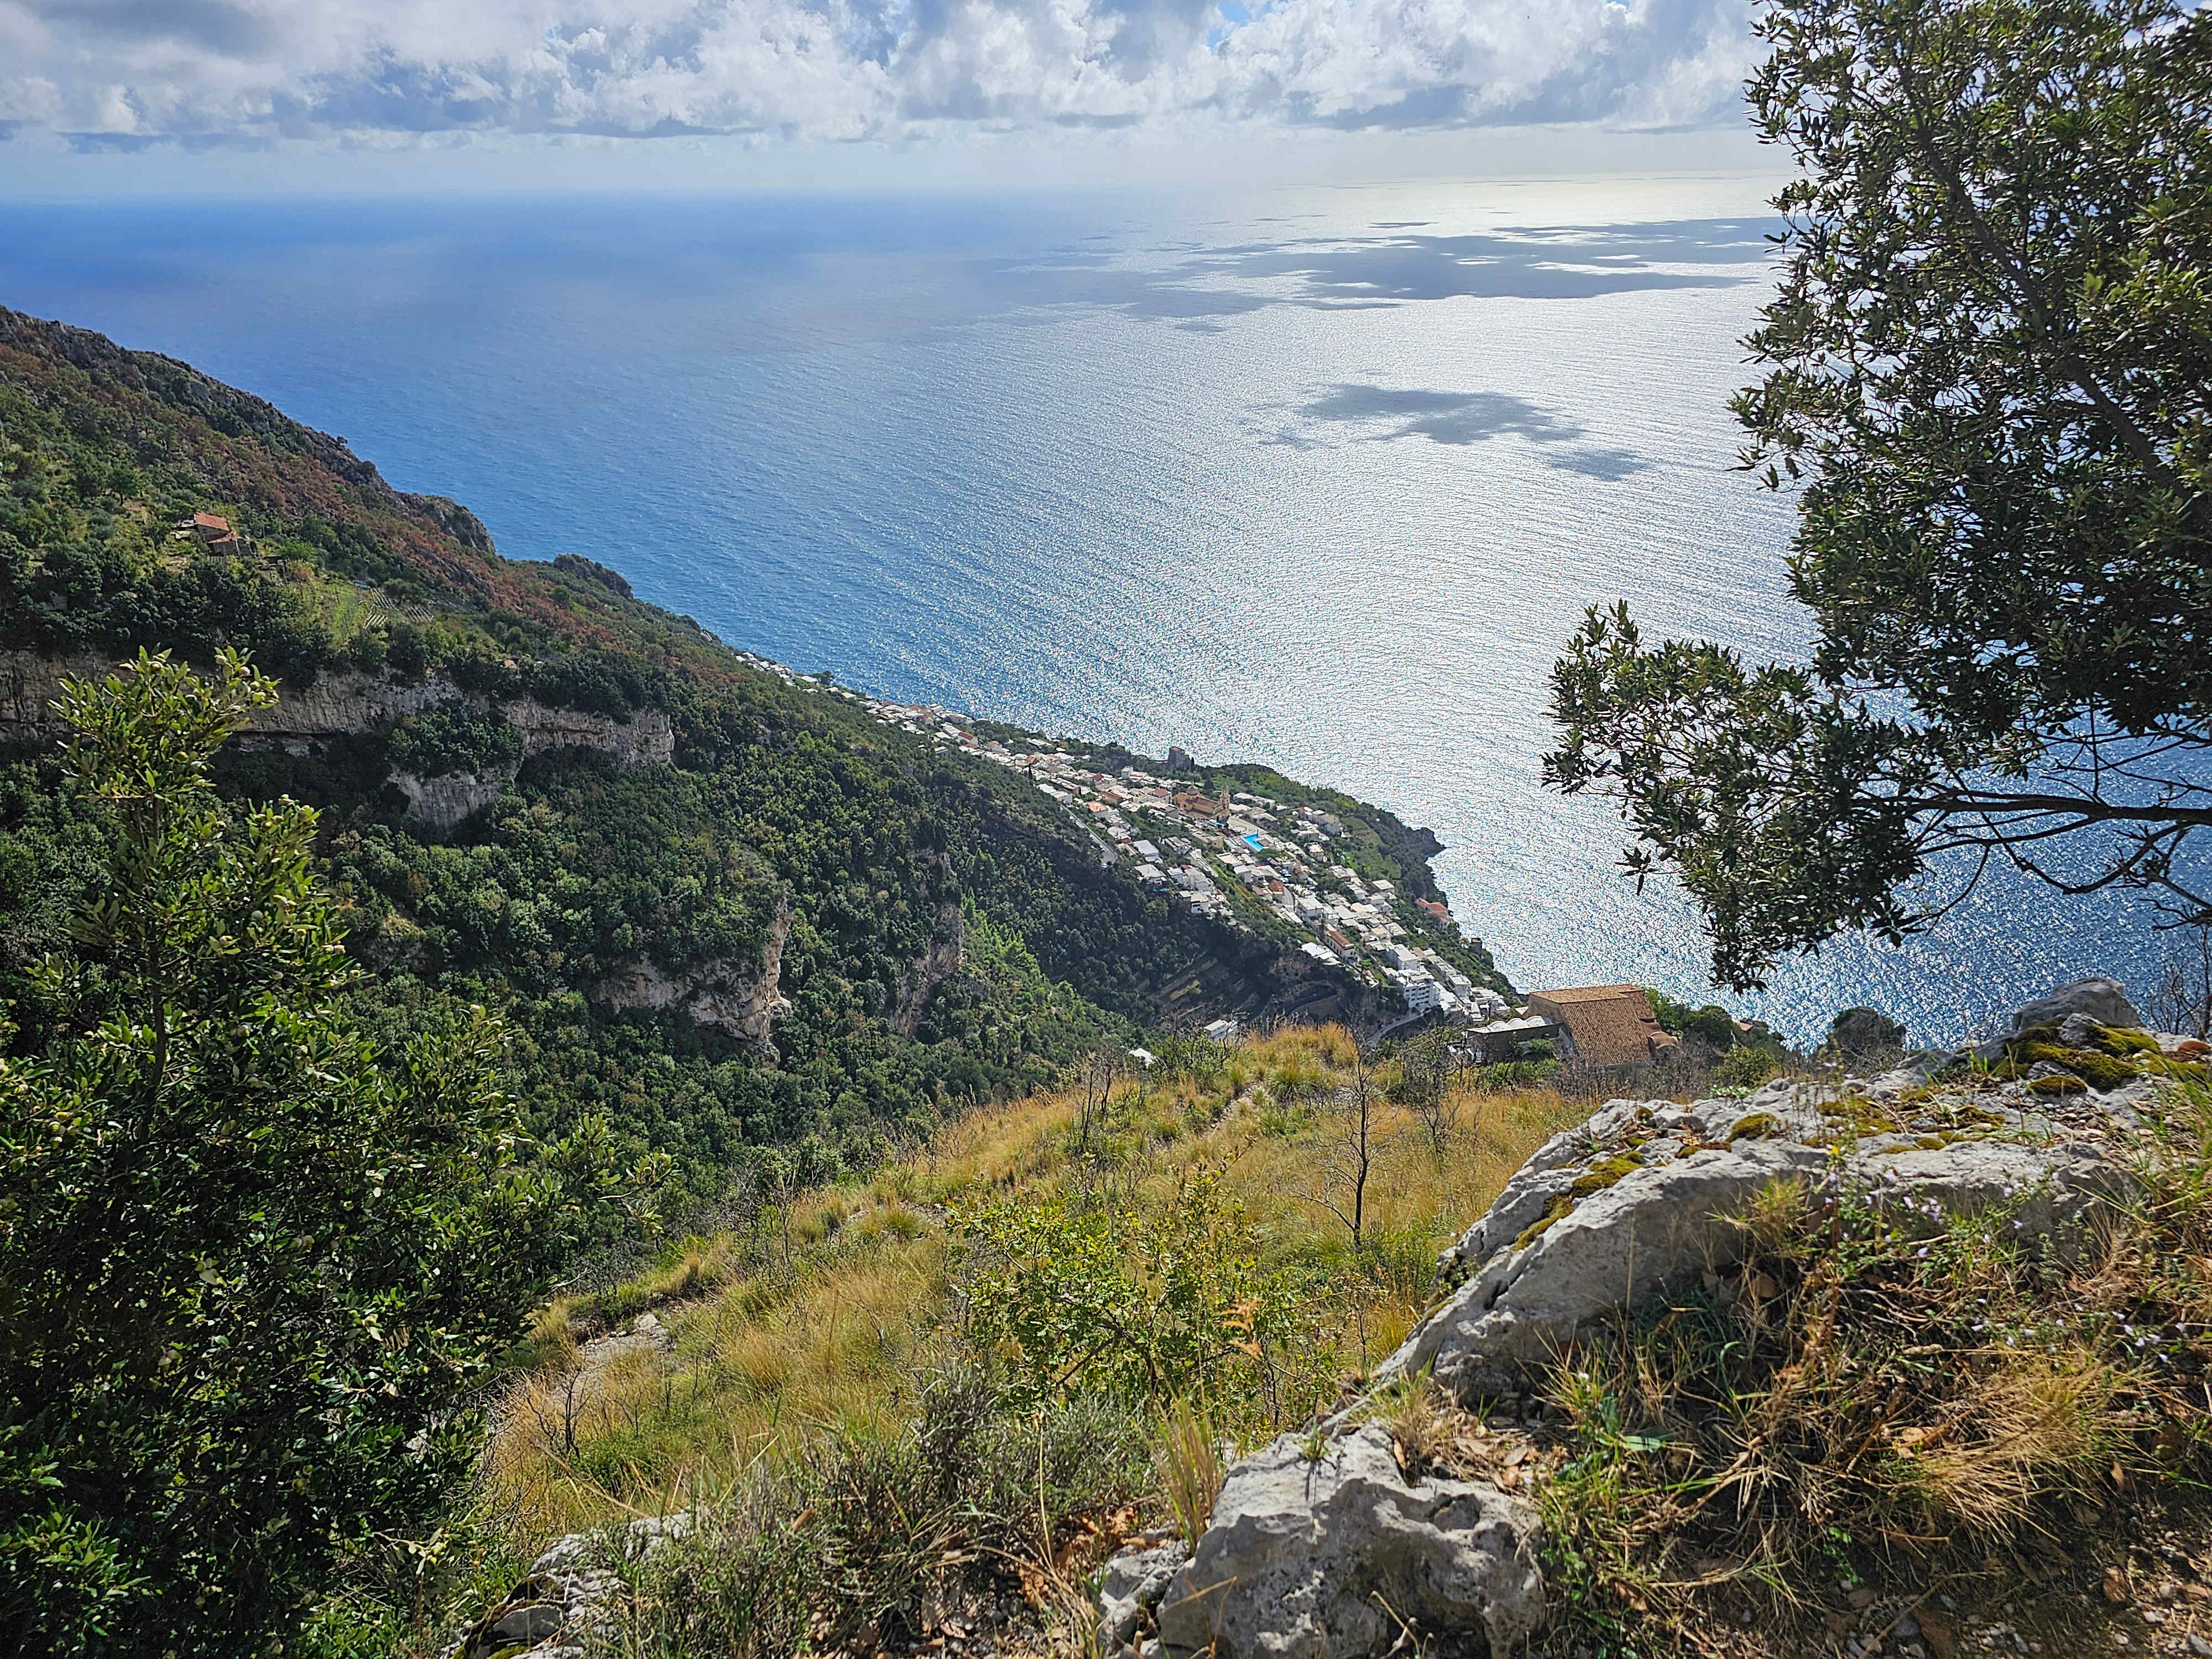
{"type": "Point", "coordinates": [1470, 417]}
{"type": "Point", "coordinates": [1399, 269]}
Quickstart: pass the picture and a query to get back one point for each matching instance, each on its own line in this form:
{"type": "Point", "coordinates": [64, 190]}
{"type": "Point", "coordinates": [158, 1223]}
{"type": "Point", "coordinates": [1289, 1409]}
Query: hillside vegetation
{"type": "Point", "coordinates": [941, 933]}
{"type": "Point", "coordinates": [1108, 1278]}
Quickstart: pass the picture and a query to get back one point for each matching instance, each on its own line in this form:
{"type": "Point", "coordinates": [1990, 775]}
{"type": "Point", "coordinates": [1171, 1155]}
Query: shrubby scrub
{"type": "Point", "coordinates": [251, 1266]}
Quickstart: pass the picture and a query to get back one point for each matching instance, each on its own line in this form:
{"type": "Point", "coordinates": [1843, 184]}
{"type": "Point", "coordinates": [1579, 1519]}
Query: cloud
{"type": "Point", "coordinates": [266, 69]}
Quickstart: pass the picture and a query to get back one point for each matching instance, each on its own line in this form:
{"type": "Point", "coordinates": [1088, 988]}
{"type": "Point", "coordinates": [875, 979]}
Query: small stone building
{"type": "Point", "coordinates": [1606, 1025]}
{"type": "Point", "coordinates": [213, 529]}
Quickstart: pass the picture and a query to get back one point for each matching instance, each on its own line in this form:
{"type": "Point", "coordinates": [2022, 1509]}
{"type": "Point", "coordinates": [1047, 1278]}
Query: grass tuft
{"type": "Point", "coordinates": [1879, 1392]}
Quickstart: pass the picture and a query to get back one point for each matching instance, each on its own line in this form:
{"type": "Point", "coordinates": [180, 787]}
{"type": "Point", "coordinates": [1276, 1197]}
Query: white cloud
{"type": "Point", "coordinates": [227, 70]}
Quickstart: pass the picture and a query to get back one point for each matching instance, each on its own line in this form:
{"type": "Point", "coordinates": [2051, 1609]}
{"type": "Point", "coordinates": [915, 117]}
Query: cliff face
{"type": "Point", "coordinates": [449, 800]}
{"type": "Point", "coordinates": [351, 705]}
{"type": "Point", "coordinates": [1258, 980]}
{"type": "Point", "coordinates": [947, 950]}
{"type": "Point", "coordinates": [740, 1000]}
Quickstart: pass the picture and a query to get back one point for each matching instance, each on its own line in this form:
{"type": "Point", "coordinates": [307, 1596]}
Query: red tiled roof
{"type": "Point", "coordinates": [1608, 1024]}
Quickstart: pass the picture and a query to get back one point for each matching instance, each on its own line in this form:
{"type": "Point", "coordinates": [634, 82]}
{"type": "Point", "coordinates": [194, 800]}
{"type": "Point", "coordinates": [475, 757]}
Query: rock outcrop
{"type": "Point", "coordinates": [1329, 1549]}
{"type": "Point", "coordinates": [739, 999]}
{"type": "Point", "coordinates": [1864, 1031]}
{"type": "Point", "coordinates": [1341, 1555]}
{"type": "Point", "coordinates": [445, 801]}
{"type": "Point", "coordinates": [2104, 1000]}
{"type": "Point", "coordinates": [566, 1606]}
{"type": "Point", "coordinates": [1639, 1201]}
{"type": "Point", "coordinates": [352, 704]}
{"type": "Point", "coordinates": [918, 980]}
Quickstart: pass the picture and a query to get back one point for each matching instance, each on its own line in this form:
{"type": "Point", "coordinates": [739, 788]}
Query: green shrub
{"type": "Point", "coordinates": [1744, 1067]}
{"type": "Point", "coordinates": [251, 1268]}
{"type": "Point", "coordinates": [432, 745]}
{"type": "Point", "coordinates": [1145, 1306]}
{"type": "Point", "coordinates": [868, 1528]}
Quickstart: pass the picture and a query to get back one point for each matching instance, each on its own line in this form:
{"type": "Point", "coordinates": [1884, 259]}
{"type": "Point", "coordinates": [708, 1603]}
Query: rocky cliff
{"type": "Point", "coordinates": [739, 999]}
{"type": "Point", "coordinates": [350, 705]}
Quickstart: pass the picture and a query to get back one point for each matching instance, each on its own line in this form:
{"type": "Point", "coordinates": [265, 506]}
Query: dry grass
{"type": "Point", "coordinates": [825, 1320]}
{"type": "Point", "coordinates": [1189, 1460]}
{"type": "Point", "coordinates": [1882, 1395]}
{"type": "Point", "coordinates": [778, 1355]}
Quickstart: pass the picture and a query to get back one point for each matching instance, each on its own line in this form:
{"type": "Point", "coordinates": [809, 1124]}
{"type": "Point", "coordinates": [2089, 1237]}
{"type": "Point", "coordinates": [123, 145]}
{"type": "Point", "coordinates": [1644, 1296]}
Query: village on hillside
{"type": "Point", "coordinates": [1212, 851]}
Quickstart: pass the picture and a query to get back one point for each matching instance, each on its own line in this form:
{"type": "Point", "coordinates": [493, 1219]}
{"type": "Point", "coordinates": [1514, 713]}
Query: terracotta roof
{"type": "Point", "coordinates": [1606, 1024]}
{"type": "Point", "coordinates": [209, 521]}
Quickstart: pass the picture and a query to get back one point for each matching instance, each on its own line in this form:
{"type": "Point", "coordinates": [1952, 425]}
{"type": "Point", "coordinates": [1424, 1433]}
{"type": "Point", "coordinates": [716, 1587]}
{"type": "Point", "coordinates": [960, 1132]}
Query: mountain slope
{"type": "Point", "coordinates": [725, 906]}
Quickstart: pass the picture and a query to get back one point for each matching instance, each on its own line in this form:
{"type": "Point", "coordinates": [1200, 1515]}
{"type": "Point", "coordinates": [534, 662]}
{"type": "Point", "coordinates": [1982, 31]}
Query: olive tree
{"type": "Point", "coordinates": [251, 1269]}
{"type": "Point", "coordinates": [1989, 387]}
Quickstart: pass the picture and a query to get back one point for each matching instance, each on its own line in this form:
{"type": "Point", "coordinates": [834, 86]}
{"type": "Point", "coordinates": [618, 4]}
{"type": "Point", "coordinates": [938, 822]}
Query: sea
{"type": "Point", "coordinates": [1319, 477]}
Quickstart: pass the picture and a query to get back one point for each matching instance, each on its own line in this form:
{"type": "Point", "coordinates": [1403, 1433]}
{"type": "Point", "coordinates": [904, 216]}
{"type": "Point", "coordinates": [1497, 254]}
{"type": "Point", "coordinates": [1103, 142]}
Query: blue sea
{"type": "Point", "coordinates": [1322, 478]}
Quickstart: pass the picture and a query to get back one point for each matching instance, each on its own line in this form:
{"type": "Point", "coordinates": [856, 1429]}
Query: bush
{"type": "Point", "coordinates": [854, 1543]}
{"type": "Point", "coordinates": [1146, 1307]}
{"type": "Point", "coordinates": [249, 1268]}
{"type": "Point", "coordinates": [1744, 1067]}
{"type": "Point", "coordinates": [431, 745]}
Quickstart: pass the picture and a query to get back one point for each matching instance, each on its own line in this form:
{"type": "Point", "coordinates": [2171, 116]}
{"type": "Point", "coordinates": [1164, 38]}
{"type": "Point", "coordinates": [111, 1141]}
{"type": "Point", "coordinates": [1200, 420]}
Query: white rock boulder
{"type": "Point", "coordinates": [1337, 1555]}
{"type": "Point", "coordinates": [1641, 1199]}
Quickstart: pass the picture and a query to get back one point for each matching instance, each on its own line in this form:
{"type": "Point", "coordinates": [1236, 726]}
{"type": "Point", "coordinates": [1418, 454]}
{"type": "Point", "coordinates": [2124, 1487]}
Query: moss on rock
{"type": "Point", "coordinates": [1603, 1173]}
{"type": "Point", "coordinates": [1535, 1230]}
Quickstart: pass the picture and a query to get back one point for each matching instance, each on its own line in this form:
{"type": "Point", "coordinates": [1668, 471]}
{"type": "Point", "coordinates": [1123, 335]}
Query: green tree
{"type": "Point", "coordinates": [250, 1269]}
{"type": "Point", "coordinates": [1988, 363]}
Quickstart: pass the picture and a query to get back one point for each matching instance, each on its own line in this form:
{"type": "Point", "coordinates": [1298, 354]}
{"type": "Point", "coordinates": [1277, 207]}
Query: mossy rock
{"type": "Point", "coordinates": [2100, 1072]}
{"type": "Point", "coordinates": [1603, 1173]}
{"type": "Point", "coordinates": [1755, 1126]}
{"type": "Point", "coordinates": [2118, 1040]}
{"type": "Point", "coordinates": [1955, 1117]}
{"type": "Point", "coordinates": [2057, 1083]}
{"type": "Point", "coordinates": [1558, 1207]}
{"type": "Point", "coordinates": [1863, 1117]}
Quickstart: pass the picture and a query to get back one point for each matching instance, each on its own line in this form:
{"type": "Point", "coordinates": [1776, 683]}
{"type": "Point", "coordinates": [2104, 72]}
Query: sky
{"type": "Point", "coordinates": [173, 95]}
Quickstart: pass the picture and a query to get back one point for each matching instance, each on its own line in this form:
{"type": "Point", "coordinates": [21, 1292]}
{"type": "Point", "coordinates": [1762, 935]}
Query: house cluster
{"type": "Point", "coordinates": [1220, 851]}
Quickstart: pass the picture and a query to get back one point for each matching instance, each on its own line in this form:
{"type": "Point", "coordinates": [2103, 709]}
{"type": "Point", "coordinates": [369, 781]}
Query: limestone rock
{"type": "Point", "coordinates": [739, 998]}
{"type": "Point", "coordinates": [1131, 1588]}
{"type": "Point", "coordinates": [1865, 1031]}
{"type": "Point", "coordinates": [1323, 1558]}
{"type": "Point", "coordinates": [566, 1606]}
{"type": "Point", "coordinates": [529, 1625]}
{"type": "Point", "coordinates": [918, 980]}
{"type": "Point", "coordinates": [2104, 1000]}
{"type": "Point", "coordinates": [447, 801]}
{"type": "Point", "coordinates": [1639, 1201]}
{"type": "Point", "coordinates": [350, 703]}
